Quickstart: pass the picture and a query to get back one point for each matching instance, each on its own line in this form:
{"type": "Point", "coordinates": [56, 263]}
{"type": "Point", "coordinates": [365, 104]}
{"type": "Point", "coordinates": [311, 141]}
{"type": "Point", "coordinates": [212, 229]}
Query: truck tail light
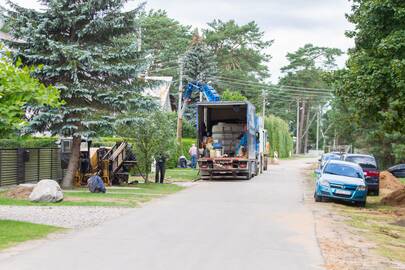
{"type": "Point", "coordinates": [242, 164]}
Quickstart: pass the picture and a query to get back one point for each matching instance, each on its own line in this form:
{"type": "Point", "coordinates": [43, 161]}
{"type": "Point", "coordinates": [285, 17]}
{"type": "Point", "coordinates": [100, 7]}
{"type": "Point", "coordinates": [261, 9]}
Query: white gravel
{"type": "Point", "coordinates": [67, 217]}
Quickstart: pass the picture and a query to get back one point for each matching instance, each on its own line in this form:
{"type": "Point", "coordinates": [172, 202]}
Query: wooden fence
{"type": "Point", "coordinates": [24, 165]}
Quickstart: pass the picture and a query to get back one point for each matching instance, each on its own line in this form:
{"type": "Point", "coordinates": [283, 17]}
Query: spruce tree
{"type": "Point", "coordinates": [199, 62]}
{"type": "Point", "coordinates": [88, 50]}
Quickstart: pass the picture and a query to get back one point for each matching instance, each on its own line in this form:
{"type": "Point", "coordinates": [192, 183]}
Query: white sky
{"type": "Point", "coordinates": [290, 23]}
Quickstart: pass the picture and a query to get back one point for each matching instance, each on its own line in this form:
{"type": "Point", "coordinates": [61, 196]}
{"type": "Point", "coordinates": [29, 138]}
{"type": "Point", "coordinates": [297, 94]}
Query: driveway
{"type": "Point", "coordinates": [256, 224]}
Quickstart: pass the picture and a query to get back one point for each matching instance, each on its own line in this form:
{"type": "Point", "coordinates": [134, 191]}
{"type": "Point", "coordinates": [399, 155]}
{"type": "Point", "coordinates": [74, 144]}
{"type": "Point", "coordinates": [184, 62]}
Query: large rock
{"type": "Point", "coordinates": [96, 184]}
{"type": "Point", "coordinates": [46, 191]}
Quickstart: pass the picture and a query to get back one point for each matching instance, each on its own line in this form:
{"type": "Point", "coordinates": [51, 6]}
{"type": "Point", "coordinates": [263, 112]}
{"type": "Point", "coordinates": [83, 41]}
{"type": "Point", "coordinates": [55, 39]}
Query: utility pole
{"type": "Point", "coordinates": [318, 122]}
{"type": "Point", "coordinates": [179, 134]}
{"type": "Point", "coordinates": [297, 141]}
{"type": "Point", "coordinates": [264, 104]}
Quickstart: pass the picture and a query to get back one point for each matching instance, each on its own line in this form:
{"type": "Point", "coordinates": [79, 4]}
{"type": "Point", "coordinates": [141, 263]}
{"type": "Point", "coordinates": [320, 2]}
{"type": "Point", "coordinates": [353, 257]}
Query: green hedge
{"type": "Point", "coordinates": [29, 142]}
{"type": "Point", "coordinates": [181, 150]}
{"type": "Point", "coordinates": [280, 139]}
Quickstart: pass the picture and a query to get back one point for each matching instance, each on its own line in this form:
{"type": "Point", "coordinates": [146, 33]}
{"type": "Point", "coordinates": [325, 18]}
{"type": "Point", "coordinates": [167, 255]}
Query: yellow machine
{"type": "Point", "coordinates": [112, 164]}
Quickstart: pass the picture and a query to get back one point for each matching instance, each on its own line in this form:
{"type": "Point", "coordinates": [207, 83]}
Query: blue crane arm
{"type": "Point", "coordinates": [209, 92]}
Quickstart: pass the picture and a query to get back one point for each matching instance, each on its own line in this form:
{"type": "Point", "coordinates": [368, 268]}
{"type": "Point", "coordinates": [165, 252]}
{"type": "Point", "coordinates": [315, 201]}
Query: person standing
{"type": "Point", "coordinates": [193, 153]}
{"type": "Point", "coordinates": [160, 168]}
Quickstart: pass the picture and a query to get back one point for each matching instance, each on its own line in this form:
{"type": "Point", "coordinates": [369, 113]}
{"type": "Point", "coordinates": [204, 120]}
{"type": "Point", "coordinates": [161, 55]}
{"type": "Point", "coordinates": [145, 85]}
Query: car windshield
{"type": "Point", "coordinates": [339, 169]}
{"type": "Point", "coordinates": [331, 157]}
{"type": "Point", "coordinates": [363, 161]}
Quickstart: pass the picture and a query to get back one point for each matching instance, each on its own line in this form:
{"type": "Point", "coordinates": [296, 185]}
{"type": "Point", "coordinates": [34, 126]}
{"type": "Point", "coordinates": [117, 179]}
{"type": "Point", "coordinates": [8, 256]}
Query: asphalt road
{"type": "Point", "coordinates": [229, 225]}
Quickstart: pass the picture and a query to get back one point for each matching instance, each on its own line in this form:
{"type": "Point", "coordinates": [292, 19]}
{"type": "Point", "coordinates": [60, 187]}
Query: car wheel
{"type": "Point", "coordinates": [361, 204]}
{"type": "Point", "coordinates": [317, 197]}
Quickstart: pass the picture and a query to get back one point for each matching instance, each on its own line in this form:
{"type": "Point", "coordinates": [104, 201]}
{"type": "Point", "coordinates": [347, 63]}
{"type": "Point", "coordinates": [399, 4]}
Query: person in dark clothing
{"type": "Point", "coordinates": [160, 169]}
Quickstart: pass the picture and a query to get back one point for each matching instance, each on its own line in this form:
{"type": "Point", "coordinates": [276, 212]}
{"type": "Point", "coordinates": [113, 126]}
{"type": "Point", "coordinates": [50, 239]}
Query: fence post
{"type": "Point", "coordinates": [1, 155]}
{"type": "Point", "coordinates": [38, 164]}
{"type": "Point", "coordinates": [20, 165]}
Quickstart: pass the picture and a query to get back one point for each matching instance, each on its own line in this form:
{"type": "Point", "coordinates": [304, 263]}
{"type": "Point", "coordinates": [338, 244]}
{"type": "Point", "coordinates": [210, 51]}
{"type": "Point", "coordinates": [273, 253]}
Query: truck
{"type": "Point", "coordinates": [221, 127]}
{"type": "Point", "coordinates": [224, 123]}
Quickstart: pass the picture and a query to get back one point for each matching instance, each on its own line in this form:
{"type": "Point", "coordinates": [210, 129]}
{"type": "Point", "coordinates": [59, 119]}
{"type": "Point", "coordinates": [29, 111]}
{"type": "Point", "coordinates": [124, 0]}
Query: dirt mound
{"type": "Point", "coordinates": [20, 192]}
{"type": "Point", "coordinates": [395, 198]}
{"type": "Point", "coordinates": [388, 181]}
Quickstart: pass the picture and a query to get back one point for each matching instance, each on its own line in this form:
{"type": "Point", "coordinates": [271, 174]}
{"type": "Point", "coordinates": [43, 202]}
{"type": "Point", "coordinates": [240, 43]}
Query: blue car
{"type": "Point", "coordinates": [341, 180]}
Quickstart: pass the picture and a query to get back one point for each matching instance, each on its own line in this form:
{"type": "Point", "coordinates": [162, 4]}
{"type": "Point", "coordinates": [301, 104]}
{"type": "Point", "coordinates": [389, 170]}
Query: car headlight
{"type": "Point", "coordinates": [362, 188]}
{"type": "Point", "coordinates": [324, 183]}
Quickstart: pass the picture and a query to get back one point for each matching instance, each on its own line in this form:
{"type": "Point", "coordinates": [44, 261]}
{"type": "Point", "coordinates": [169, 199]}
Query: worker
{"type": "Point", "coordinates": [160, 168]}
{"type": "Point", "coordinates": [243, 142]}
{"type": "Point", "coordinates": [193, 153]}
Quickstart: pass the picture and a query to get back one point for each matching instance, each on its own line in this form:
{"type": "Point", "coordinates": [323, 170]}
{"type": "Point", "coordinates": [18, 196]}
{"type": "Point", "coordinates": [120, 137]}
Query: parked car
{"type": "Point", "coordinates": [370, 169]}
{"type": "Point", "coordinates": [341, 180]}
{"type": "Point", "coordinates": [398, 170]}
{"type": "Point", "coordinates": [326, 157]}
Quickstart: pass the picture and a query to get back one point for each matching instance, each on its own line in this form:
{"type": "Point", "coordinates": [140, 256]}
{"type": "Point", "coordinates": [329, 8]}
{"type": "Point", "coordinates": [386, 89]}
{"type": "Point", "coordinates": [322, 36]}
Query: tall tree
{"type": "Point", "coordinates": [166, 39]}
{"type": "Point", "coordinates": [373, 86]}
{"type": "Point", "coordinates": [85, 51]}
{"type": "Point", "coordinates": [305, 73]}
{"type": "Point", "coordinates": [17, 91]}
{"type": "Point", "coordinates": [242, 55]}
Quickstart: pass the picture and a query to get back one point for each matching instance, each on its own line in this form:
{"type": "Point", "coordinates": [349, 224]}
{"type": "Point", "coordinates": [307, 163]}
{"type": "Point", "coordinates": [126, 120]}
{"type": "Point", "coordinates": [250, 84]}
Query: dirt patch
{"type": "Point", "coordinates": [395, 198]}
{"type": "Point", "coordinates": [390, 182]}
{"type": "Point", "coordinates": [19, 192]}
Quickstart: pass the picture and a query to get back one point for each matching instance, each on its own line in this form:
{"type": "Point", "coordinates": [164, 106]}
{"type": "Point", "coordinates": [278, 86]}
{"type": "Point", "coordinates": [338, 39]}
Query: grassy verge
{"type": "Point", "coordinates": [180, 175]}
{"type": "Point", "coordinates": [402, 180]}
{"type": "Point", "coordinates": [381, 224]}
{"type": "Point", "coordinates": [123, 196]}
{"type": "Point", "coordinates": [14, 232]}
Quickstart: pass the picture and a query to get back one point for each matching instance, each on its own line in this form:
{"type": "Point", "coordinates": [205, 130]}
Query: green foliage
{"type": "Point", "coordinates": [180, 150]}
{"type": "Point", "coordinates": [151, 135]}
{"type": "Point", "coordinates": [29, 142]}
{"type": "Point", "coordinates": [18, 90]}
{"type": "Point", "coordinates": [241, 56]}
{"type": "Point", "coordinates": [280, 139]}
{"type": "Point", "coordinates": [373, 85]}
{"type": "Point", "coordinates": [166, 39]}
{"type": "Point", "coordinates": [229, 95]}
{"type": "Point", "coordinates": [199, 62]}
{"type": "Point", "coordinates": [88, 51]}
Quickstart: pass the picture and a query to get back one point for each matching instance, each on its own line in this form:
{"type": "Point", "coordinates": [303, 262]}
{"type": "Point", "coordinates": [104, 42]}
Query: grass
{"type": "Point", "coordinates": [378, 223]}
{"type": "Point", "coordinates": [14, 232]}
{"type": "Point", "coordinates": [124, 196]}
{"type": "Point", "coordinates": [182, 174]}
{"type": "Point", "coordinates": [402, 180]}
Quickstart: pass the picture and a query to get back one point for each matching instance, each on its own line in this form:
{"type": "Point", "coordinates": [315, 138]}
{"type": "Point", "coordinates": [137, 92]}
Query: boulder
{"type": "Point", "coordinates": [46, 191]}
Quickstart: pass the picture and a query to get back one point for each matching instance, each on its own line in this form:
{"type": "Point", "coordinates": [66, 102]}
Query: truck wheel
{"type": "Point", "coordinates": [265, 164]}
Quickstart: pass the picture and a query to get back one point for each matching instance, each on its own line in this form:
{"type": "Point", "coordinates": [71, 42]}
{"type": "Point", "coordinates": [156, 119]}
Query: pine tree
{"type": "Point", "coordinates": [88, 50]}
{"type": "Point", "coordinates": [199, 62]}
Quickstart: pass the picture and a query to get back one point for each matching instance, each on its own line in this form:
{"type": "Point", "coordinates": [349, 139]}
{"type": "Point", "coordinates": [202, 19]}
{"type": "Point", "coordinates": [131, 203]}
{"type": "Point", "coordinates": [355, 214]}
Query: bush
{"type": "Point", "coordinates": [280, 139]}
{"type": "Point", "coordinates": [181, 150]}
{"type": "Point", "coordinates": [29, 142]}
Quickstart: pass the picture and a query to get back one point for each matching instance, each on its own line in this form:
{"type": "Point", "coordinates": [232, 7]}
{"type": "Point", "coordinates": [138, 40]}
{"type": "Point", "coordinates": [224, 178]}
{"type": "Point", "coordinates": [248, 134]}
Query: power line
{"type": "Point", "coordinates": [278, 86]}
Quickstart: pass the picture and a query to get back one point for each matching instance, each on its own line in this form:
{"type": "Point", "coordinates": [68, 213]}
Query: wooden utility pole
{"type": "Point", "coordinates": [302, 123]}
{"type": "Point", "coordinates": [297, 141]}
{"type": "Point", "coordinates": [307, 126]}
{"type": "Point", "coordinates": [179, 134]}
{"type": "Point", "coordinates": [318, 123]}
{"type": "Point", "coordinates": [264, 104]}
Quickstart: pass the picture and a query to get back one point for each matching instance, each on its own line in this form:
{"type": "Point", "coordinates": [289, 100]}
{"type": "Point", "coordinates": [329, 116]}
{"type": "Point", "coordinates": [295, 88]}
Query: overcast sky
{"type": "Point", "coordinates": [290, 23]}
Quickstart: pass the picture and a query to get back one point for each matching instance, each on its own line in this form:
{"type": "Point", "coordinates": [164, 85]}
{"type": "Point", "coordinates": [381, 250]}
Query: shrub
{"type": "Point", "coordinates": [280, 139]}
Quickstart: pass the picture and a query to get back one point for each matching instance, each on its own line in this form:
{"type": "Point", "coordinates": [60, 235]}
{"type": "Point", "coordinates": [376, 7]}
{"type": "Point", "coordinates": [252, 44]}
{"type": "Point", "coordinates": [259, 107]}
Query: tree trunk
{"type": "Point", "coordinates": [306, 127]}
{"type": "Point", "coordinates": [73, 163]}
{"type": "Point", "coordinates": [302, 121]}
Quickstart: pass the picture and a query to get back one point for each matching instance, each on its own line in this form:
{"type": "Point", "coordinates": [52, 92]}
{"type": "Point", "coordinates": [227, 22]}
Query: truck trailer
{"type": "Point", "coordinates": [231, 139]}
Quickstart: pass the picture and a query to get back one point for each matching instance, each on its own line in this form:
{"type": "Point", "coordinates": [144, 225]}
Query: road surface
{"type": "Point", "coordinates": [257, 224]}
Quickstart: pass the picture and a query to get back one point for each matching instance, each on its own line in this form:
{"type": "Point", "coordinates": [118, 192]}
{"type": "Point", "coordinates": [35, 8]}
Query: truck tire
{"type": "Point", "coordinates": [265, 164]}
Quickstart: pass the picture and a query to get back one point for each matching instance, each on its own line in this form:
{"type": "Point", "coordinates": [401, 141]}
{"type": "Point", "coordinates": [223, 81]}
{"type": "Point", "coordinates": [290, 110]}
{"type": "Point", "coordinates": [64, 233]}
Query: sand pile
{"type": "Point", "coordinates": [20, 192]}
{"type": "Point", "coordinates": [396, 197]}
{"type": "Point", "coordinates": [388, 181]}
